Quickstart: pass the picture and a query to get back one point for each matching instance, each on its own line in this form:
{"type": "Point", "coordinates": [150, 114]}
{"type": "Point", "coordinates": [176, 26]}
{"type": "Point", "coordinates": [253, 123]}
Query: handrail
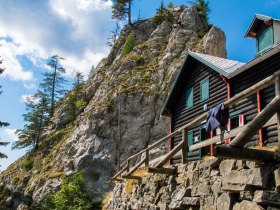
{"type": "Point", "coordinates": [270, 80]}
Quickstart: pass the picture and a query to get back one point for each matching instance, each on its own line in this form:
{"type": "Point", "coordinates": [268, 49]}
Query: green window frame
{"type": "Point", "coordinates": [189, 98]}
{"type": "Point", "coordinates": [265, 39]}
{"type": "Point", "coordinates": [190, 141]}
{"type": "Point", "coordinates": [204, 89]}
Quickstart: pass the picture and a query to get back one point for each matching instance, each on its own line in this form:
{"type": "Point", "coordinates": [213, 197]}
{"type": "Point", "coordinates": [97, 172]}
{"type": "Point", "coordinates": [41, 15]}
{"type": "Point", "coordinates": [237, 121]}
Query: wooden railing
{"type": "Point", "coordinates": [268, 116]}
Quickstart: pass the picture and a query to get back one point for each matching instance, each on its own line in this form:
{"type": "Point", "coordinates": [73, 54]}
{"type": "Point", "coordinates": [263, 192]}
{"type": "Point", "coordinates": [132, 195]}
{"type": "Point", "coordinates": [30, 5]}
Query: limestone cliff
{"type": "Point", "coordinates": [125, 95]}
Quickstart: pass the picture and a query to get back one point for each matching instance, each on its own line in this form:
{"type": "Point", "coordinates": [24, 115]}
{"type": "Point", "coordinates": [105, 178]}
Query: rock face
{"type": "Point", "coordinates": [201, 185]}
{"type": "Point", "coordinates": [125, 95]}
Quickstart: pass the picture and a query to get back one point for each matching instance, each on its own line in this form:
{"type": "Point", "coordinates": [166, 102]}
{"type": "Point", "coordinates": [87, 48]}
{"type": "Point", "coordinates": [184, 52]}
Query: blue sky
{"type": "Point", "coordinates": [31, 31]}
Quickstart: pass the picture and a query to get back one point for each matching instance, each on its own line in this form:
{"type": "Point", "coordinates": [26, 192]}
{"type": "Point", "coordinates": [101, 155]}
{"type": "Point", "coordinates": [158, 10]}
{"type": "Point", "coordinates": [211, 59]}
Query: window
{"type": "Point", "coordinates": [265, 39]}
{"type": "Point", "coordinates": [190, 141]}
{"type": "Point", "coordinates": [189, 98]}
{"type": "Point", "coordinates": [204, 89]}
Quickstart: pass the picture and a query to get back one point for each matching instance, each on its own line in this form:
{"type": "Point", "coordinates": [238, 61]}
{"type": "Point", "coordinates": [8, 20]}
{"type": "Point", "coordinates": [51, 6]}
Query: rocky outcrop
{"type": "Point", "coordinates": [125, 95]}
{"type": "Point", "coordinates": [205, 185]}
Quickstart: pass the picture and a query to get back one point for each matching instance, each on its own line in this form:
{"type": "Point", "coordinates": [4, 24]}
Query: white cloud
{"type": "Point", "coordinates": [74, 29]}
{"type": "Point", "coordinates": [29, 86]}
{"type": "Point", "coordinates": [13, 68]}
{"type": "Point", "coordinates": [10, 135]}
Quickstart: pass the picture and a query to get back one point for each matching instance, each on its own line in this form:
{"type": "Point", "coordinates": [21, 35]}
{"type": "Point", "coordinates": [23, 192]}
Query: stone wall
{"type": "Point", "coordinates": [213, 184]}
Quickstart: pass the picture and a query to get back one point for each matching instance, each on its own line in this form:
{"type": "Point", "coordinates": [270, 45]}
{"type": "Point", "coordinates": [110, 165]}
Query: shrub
{"type": "Point", "coordinates": [27, 164]}
{"type": "Point", "coordinates": [139, 59]}
{"type": "Point", "coordinates": [163, 15]}
{"type": "Point", "coordinates": [129, 44]}
{"type": "Point", "coordinates": [71, 196]}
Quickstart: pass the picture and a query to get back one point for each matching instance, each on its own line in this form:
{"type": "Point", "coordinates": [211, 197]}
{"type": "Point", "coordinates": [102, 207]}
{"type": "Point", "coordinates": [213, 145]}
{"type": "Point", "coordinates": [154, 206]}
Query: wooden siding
{"type": "Point", "coordinates": [217, 92]}
{"type": "Point", "coordinates": [248, 107]}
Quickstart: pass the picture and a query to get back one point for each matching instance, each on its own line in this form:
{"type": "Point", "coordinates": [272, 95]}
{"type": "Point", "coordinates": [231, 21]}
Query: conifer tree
{"type": "Point", "coordinates": [75, 99]}
{"type": "Point", "coordinates": [52, 85]}
{"type": "Point", "coordinates": [36, 119]}
{"type": "Point", "coordinates": [2, 124]}
{"type": "Point", "coordinates": [121, 10]}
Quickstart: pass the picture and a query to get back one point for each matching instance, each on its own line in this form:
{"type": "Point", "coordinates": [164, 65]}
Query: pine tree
{"type": "Point", "coordinates": [36, 119]}
{"type": "Point", "coordinates": [75, 99]}
{"type": "Point", "coordinates": [113, 36]}
{"type": "Point", "coordinates": [52, 85]}
{"type": "Point", "coordinates": [121, 10]}
{"type": "Point", "coordinates": [2, 124]}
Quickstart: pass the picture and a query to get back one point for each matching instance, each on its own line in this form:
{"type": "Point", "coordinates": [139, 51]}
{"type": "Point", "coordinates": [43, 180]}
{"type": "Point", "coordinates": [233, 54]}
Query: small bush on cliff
{"type": "Point", "coordinates": [71, 196]}
{"type": "Point", "coordinates": [27, 164]}
{"type": "Point", "coordinates": [163, 14]}
{"type": "Point", "coordinates": [129, 44]}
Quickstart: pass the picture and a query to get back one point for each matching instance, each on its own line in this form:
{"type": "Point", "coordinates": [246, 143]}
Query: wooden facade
{"type": "Point", "coordinates": [224, 83]}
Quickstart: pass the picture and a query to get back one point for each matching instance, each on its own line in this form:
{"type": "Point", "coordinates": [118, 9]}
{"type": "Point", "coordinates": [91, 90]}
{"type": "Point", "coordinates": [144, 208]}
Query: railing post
{"type": "Point", "coordinates": [127, 165]}
{"type": "Point", "coordinates": [185, 147]}
{"type": "Point", "coordinates": [147, 159]}
{"type": "Point", "coordinates": [277, 94]}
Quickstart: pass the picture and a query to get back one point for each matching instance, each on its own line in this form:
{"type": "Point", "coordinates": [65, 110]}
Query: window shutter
{"type": "Point", "coordinates": [190, 141]}
{"type": "Point", "coordinates": [204, 89]}
{"type": "Point", "coordinates": [189, 98]}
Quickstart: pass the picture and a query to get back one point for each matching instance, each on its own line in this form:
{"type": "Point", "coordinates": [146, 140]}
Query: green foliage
{"type": "Point", "coordinates": [27, 164]}
{"type": "Point", "coordinates": [75, 100]}
{"type": "Point", "coordinates": [52, 85]}
{"type": "Point", "coordinates": [121, 10]}
{"type": "Point", "coordinates": [201, 34]}
{"type": "Point", "coordinates": [2, 124]}
{"type": "Point", "coordinates": [139, 59]}
{"type": "Point", "coordinates": [129, 44]}
{"type": "Point", "coordinates": [163, 14]}
{"type": "Point", "coordinates": [36, 119]}
{"type": "Point", "coordinates": [71, 196]}
{"type": "Point", "coordinates": [203, 9]}
{"type": "Point", "coordinates": [170, 5]}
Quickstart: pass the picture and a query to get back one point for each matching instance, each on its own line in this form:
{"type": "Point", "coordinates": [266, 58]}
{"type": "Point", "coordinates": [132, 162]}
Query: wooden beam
{"type": "Point", "coordinates": [169, 155]}
{"type": "Point", "coordinates": [230, 134]}
{"type": "Point", "coordinates": [162, 170]}
{"type": "Point", "coordinates": [147, 159]}
{"type": "Point", "coordinates": [184, 147]}
{"type": "Point", "coordinates": [254, 126]}
{"type": "Point", "coordinates": [120, 172]}
{"type": "Point", "coordinates": [252, 90]}
{"type": "Point", "coordinates": [277, 94]}
{"type": "Point", "coordinates": [135, 167]}
{"type": "Point", "coordinates": [132, 177]}
{"type": "Point", "coordinates": [244, 154]}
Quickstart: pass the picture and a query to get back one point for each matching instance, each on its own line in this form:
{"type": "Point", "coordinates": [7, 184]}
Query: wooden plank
{"type": "Point", "coordinates": [253, 89]}
{"type": "Point", "coordinates": [169, 155]}
{"type": "Point", "coordinates": [162, 170]}
{"type": "Point", "coordinates": [147, 159]}
{"type": "Point", "coordinates": [244, 154]}
{"type": "Point", "coordinates": [277, 94]}
{"type": "Point", "coordinates": [132, 177]}
{"type": "Point", "coordinates": [227, 135]}
{"type": "Point", "coordinates": [184, 147]}
{"type": "Point", "coordinates": [119, 173]}
{"type": "Point", "coordinates": [259, 121]}
{"type": "Point", "coordinates": [135, 167]}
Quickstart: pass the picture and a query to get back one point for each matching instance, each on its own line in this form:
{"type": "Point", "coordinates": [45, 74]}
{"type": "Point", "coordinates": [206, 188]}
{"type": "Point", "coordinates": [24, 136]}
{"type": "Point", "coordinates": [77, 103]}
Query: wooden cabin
{"type": "Point", "coordinates": [209, 80]}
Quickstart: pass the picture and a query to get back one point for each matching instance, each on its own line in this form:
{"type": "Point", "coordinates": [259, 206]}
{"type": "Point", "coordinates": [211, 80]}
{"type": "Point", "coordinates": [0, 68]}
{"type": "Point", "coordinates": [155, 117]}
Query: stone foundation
{"type": "Point", "coordinates": [206, 185]}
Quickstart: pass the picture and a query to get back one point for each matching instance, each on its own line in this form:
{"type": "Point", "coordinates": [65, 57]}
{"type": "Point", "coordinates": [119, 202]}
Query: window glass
{"type": "Point", "coordinates": [204, 89]}
{"type": "Point", "coordinates": [265, 39]}
{"type": "Point", "coordinates": [189, 98]}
